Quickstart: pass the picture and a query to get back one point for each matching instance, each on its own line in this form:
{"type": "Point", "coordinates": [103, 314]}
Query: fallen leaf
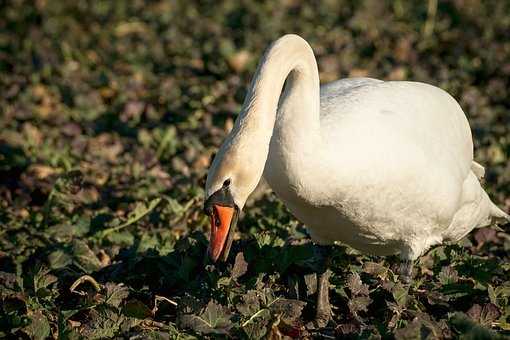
{"type": "Point", "coordinates": [240, 266]}
{"type": "Point", "coordinates": [375, 269]}
{"type": "Point", "coordinates": [289, 310]}
{"type": "Point", "coordinates": [485, 235]}
{"type": "Point", "coordinates": [355, 285]}
{"type": "Point", "coordinates": [484, 315]}
{"type": "Point", "coordinates": [359, 304]}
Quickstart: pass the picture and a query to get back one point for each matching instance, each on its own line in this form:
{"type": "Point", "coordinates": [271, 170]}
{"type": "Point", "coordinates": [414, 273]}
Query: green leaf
{"type": "Point", "coordinates": [457, 290]}
{"type": "Point", "coordinates": [115, 294]}
{"type": "Point", "coordinates": [121, 238]}
{"type": "Point", "coordinates": [43, 279]}
{"type": "Point", "coordinates": [215, 319]}
{"type": "Point", "coordinates": [85, 257]}
{"type": "Point", "coordinates": [492, 294]}
{"type": "Point", "coordinates": [59, 259]}
{"type": "Point", "coordinates": [256, 327]}
{"type": "Point", "coordinates": [65, 331]}
{"type": "Point", "coordinates": [103, 323]}
{"type": "Point", "coordinates": [297, 254]}
{"type": "Point", "coordinates": [400, 294]}
{"type": "Point", "coordinates": [39, 328]}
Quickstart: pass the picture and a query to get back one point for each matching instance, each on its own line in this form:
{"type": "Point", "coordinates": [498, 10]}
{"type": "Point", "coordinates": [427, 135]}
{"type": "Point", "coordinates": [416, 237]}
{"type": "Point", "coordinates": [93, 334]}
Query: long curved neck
{"type": "Point", "coordinates": [289, 58]}
{"type": "Point", "coordinates": [292, 116]}
{"type": "Point", "coordinates": [244, 153]}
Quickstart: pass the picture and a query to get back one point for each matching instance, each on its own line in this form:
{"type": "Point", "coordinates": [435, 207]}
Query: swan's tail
{"type": "Point", "coordinates": [498, 215]}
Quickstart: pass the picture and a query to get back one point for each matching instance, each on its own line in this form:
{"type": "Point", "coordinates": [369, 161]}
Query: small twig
{"type": "Point", "coordinates": [158, 298]}
{"type": "Point", "coordinates": [151, 207]}
{"type": "Point", "coordinates": [149, 323]}
{"type": "Point", "coordinates": [82, 279]}
{"type": "Point", "coordinates": [162, 298]}
{"type": "Point", "coordinates": [254, 316]}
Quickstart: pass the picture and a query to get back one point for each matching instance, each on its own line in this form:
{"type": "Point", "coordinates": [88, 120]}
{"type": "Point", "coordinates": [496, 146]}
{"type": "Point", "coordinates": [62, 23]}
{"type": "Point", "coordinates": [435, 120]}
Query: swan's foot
{"type": "Point", "coordinates": [323, 313]}
{"type": "Point", "coordinates": [406, 271]}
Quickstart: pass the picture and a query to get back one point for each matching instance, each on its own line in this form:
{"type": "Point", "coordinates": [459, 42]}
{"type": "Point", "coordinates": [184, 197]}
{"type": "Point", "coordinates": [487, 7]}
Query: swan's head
{"type": "Point", "coordinates": [234, 174]}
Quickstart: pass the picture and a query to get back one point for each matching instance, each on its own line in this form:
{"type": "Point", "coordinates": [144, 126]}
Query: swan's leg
{"type": "Point", "coordinates": [406, 270]}
{"type": "Point", "coordinates": [323, 313]}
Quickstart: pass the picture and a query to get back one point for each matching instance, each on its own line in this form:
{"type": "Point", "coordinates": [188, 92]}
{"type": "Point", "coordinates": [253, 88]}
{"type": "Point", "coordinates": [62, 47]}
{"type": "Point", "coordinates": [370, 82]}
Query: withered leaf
{"type": "Point", "coordinates": [485, 314]}
{"type": "Point", "coordinates": [288, 309]}
{"type": "Point", "coordinates": [359, 304]}
{"type": "Point", "coordinates": [421, 327]}
{"type": "Point", "coordinates": [250, 303]}
{"type": "Point", "coordinates": [240, 266]}
{"type": "Point", "coordinates": [8, 282]}
{"type": "Point", "coordinates": [375, 269]}
{"type": "Point", "coordinates": [356, 286]}
{"type": "Point", "coordinates": [485, 235]}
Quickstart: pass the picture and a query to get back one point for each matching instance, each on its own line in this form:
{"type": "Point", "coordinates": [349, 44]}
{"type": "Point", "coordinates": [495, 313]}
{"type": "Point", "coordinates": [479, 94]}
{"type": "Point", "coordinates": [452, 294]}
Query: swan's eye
{"type": "Point", "coordinates": [226, 183]}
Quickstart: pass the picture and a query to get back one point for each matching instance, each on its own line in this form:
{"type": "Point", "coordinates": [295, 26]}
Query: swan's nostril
{"type": "Point", "coordinates": [216, 218]}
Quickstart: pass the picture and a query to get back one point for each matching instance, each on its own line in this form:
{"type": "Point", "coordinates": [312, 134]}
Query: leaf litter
{"type": "Point", "coordinates": [109, 117]}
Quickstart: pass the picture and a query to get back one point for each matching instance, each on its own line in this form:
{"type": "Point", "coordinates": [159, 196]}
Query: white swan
{"type": "Point", "coordinates": [385, 167]}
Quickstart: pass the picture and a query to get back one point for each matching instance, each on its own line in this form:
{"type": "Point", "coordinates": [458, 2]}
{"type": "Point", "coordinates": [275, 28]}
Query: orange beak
{"type": "Point", "coordinates": [221, 220]}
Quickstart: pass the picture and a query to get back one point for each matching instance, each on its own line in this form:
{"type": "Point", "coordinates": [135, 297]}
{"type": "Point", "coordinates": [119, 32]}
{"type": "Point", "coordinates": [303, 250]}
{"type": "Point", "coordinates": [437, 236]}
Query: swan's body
{"type": "Point", "coordinates": [394, 173]}
{"type": "Point", "coordinates": [385, 167]}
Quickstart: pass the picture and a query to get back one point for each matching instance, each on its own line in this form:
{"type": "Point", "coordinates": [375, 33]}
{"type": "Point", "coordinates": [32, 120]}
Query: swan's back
{"type": "Point", "coordinates": [369, 115]}
{"type": "Point", "coordinates": [330, 92]}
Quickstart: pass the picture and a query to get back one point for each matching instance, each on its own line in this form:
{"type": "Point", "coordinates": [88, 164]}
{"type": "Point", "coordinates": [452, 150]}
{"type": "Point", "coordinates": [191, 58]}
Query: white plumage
{"type": "Point", "coordinates": [385, 167]}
